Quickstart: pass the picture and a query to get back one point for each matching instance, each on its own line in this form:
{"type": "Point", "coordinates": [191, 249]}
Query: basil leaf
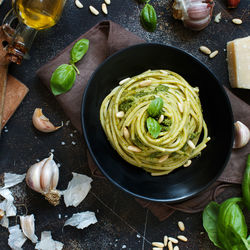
{"type": "Point", "coordinates": [79, 50]}
{"type": "Point", "coordinates": [155, 107]}
{"type": "Point", "coordinates": [154, 128]}
{"type": "Point", "coordinates": [62, 79]}
{"type": "Point", "coordinates": [148, 18]}
{"type": "Point", "coordinates": [246, 184]}
{"type": "Point", "coordinates": [210, 217]}
{"type": "Point", "coordinates": [231, 223]}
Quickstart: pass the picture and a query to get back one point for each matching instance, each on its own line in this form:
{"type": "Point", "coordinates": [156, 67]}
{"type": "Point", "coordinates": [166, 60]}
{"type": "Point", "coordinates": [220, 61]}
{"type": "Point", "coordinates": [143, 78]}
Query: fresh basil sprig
{"type": "Point", "coordinates": [148, 17]}
{"type": "Point", "coordinates": [155, 107]}
{"type": "Point", "coordinates": [64, 76]}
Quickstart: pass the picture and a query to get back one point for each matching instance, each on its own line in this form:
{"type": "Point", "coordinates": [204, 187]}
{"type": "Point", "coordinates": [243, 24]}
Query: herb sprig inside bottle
{"type": "Point", "coordinates": [64, 76]}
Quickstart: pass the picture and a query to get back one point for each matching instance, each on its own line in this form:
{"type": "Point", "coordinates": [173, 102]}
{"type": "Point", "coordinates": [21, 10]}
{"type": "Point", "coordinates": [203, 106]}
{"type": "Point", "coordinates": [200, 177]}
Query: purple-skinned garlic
{"type": "Point", "coordinates": [195, 14]}
{"type": "Point", "coordinates": [43, 177]}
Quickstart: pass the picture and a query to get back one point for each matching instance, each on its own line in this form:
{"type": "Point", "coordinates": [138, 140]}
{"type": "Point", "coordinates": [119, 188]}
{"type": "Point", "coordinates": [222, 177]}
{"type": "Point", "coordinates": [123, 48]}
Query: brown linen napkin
{"type": "Point", "coordinates": [105, 39]}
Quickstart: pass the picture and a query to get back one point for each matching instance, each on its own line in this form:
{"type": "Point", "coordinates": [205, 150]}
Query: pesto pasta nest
{"type": "Point", "coordinates": [154, 121]}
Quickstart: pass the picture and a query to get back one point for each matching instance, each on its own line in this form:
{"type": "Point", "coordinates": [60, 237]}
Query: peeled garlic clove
{"type": "Point", "coordinates": [242, 135]}
{"type": "Point", "coordinates": [195, 14]}
{"type": "Point", "coordinates": [28, 227]}
{"type": "Point", "coordinates": [42, 123]}
{"type": "Point", "coordinates": [34, 174]}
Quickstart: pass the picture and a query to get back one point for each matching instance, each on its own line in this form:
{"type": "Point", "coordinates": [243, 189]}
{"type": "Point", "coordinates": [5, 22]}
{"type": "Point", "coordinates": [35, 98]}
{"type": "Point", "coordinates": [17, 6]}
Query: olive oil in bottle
{"type": "Point", "coordinates": [39, 14]}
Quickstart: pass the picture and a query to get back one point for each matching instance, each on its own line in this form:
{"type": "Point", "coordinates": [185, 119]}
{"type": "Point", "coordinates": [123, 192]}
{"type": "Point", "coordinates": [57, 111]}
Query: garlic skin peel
{"type": "Point", "coordinates": [28, 226]}
{"type": "Point", "coordinates": [42, 123]}
{"type": "Point", "coordinates": [195, 14]}
{"type": "Point", "coordinates": [242, 135]}
{"type": "Point", "coordinates": [43, 177]}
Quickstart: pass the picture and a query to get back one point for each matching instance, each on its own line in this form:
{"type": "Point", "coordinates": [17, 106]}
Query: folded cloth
{"type": "Point", "coordinates": [105, 39]}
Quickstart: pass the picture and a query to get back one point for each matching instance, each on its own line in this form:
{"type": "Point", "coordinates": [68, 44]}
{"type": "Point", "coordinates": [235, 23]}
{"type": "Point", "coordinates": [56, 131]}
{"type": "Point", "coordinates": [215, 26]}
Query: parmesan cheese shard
{"type": "Point", "coordinates": [47, 243]}
{"type": "Point", "coordinates": [77, 190]}
{"type": "Point", "coordinates": [81, 220]}
{"type": "Point", "coordinates": [16, 238]}
{"type": "Point", "coordinates": [238, 57]}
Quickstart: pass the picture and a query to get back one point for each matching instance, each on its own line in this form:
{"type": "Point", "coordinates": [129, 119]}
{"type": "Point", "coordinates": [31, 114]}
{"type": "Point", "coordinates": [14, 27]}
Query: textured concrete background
{"type": "Point", "coordinates": [122, 222]}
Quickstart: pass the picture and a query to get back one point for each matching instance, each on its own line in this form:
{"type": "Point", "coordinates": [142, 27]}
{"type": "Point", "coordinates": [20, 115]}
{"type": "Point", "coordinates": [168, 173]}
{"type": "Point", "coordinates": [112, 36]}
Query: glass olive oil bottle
{"type": "Point", "coordinates": [39, 14]}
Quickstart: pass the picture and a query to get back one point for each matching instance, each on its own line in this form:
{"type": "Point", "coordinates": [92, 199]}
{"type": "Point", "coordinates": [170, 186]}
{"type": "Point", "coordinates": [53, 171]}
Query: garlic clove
{"type": "Point", "coordinates": [47, 179]}
{"type": "Point", "coordinates": [28, 227]}
{"type": "Point", "coordinates": [42, 123]}
{"type": "Point", "coordinates": [242, 135]}
{"type": "Point", "coordinates": [33, 176]}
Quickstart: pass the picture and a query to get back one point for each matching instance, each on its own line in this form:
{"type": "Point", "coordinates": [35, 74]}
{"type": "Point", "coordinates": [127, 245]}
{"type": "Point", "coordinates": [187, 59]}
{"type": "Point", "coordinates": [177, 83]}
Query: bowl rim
{"type": "Point", "coordinates": [228, 103]}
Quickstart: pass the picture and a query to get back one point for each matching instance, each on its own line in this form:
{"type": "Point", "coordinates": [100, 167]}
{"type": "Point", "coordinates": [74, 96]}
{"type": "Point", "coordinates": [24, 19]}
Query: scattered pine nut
{"type": "Point", "coordinates": [93, 10]}
{"type": "Point", "coordinates": [107, 2]}
{"type": "Point", "coordinates": [157, 244]}
{"type": "Point", "coordinates": [161, 119]}
{"type": "Point", "coordinates": [237, 21]}
{"type": "Point", "coordinates": [180, 107]}
{"type": "Point", "coordinates": [120, 114]}
{"type": "Point", "coordinates": [176, 248]}
{"type": "Point", "coordinates": [1, 214]}
{"type": "Point", "coordinates": [134, 149]}
{"type": "Point", "coordinates": [217, 17]}
{"type": "Point", "coordinates": [157, 248]}
{"type": "Point", "coordinates": [78, 4]}
{"type": "Point", "coordinates": [191, 144]}
{"type": "Point", "coordinates": [182, 238]}
{"type": "Point", "coordinates": [187, 164]}
{"type": "Point", "coordinates": [104, 8]}
{"type": "Point", "coordinates": [124, 80]}
{"type": "Point", "coordinates": [165, 240]}
{"type": "Point", "coordinates": [126, 133]}
{"type": "Point", "coordinates": [163, 158]}
{"type": "Point", "coordinates": [214, 54]}
{"type": "Point", "coordinates": [170, 245]}
{"type": "Point", "coordinates": [181, 226]}
{"type": "Point", "coordinates": [145, 83]}
{"type": "Point", "coordinates": [173, 240]}
{"type": "Point", "coordinates": [205, 50]}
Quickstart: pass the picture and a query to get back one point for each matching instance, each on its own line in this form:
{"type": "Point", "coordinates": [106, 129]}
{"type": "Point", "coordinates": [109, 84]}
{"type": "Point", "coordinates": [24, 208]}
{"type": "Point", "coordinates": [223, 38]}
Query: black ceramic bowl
{"type": "Point", "coordinates": [182, 183]}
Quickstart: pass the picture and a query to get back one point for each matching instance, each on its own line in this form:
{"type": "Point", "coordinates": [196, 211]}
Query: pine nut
{"type": "Point", "coordinates": [107, 2]}
{"type": "Point", "coordinates": [173, 240]}
{"type": "Point", "coordinates": [145, 83]}
{"type": "Point", "coordinates": [165, 240]}
{"type": "Point", "coordinates": [93, 10]}
{"type": "Point", "coordinates": [157, 248]}
{"type": "Point", "coordinates": [176, 248]}
{"type": "Point", "coordinates": [191, 144]}
{"type": "Point", "coordinates": [181, 225]}
{"type": "Point", "coordinates": [1, 214]}
{"type": "Point", "coordinates": [124, 80]}
{"type": "Point", "coordinates": [120, 114]}
{"type": "Point", "coordinates": [180, 107]}
{"type": "Point", "coordinates": [104, 8]}
{"type": "Point", "coordinates": [78, 4]}
{"type": "Point", "coordinates": [126, 133]}
{"type": "Point", "coordinates": [187, 164]}
{"type": "Point", "coordinates": [134, 149]}
{"type": "Point", "coordinates": [170, 245]}
{"type": "Point", "coordinates": [161, 119]}
{"type": "Point", "coordinates": [182, 238]}
{"type": "Point", "coordinates": [214, 54]}
{"type": "Point", "coordinates": [163, 158]}
{"type": "Point", "coordinates": [205, 50]}
{"type": "Point", "coordinates": [237, 21]}
{"type": "Point", "coordinates": [157, 244]}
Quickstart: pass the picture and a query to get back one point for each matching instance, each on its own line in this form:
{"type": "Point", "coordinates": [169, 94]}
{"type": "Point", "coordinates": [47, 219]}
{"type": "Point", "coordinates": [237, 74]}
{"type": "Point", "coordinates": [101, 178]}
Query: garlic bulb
{"type": "Point", "coordinates": [43, 177]}
{"type": "Point", "coordinates": [42, 123]}
{"type": "Point", "coordinates": [242, 135]}
{"type": "Point", "coordinates": [195, 14]}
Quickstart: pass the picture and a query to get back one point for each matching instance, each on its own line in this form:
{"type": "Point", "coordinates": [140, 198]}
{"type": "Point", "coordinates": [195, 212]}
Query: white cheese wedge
{"type": "Point", "coordinates": [238, 57]}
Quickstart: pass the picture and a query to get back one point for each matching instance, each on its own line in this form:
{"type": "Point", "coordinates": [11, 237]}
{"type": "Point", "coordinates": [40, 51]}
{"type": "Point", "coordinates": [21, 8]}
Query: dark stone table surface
{"type": "Point", "coordinates": [122, 222]}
